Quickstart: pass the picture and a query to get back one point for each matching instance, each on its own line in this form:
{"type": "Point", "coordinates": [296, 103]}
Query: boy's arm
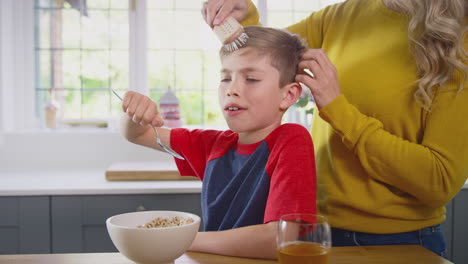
{"type": "Point", "coordinates": [143, 135]}
{"type": "Point", "coordinates": [256, 241]}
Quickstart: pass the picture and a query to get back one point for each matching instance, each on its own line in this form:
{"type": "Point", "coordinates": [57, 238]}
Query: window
{"type": "Point", "coordinates": [81, 52]}
{"type": "Point", "coordinates": [184, 59]}
{"type": "Point", "coordinates": [83, 48]}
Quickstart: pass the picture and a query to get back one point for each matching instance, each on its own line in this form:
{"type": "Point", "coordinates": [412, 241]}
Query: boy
{"type": "Point", "coordinates": [259, 169]}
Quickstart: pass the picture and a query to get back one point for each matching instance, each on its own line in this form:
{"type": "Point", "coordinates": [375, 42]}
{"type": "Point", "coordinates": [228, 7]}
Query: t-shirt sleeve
{"type": "Point", "coordinates": [293, 182]}
{"type": "Point", "coordinates": [195, 146]}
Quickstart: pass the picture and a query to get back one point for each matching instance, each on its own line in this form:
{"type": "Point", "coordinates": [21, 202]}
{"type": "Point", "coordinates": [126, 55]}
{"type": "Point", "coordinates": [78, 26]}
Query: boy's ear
{"type": "Point", "coordinates": [291, 93]}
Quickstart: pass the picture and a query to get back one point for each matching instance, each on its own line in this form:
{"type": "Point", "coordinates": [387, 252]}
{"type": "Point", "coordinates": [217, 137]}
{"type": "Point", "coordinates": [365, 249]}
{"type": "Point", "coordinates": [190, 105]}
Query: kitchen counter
{"type": "Point", "coordinates": [85, 182]}
{"type": "Point", "coordinates": [364, 255]}
{"type": "Point", "coordinates": [88, 182]}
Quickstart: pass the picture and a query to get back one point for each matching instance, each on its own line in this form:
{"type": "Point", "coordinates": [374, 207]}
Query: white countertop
{"type": "Point", "coordinates": [85, 182]}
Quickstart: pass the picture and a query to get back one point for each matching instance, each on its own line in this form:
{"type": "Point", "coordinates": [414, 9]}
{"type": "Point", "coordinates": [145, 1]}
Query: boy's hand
{"type": "Point", "coordinates": [141, 109]}
{"type": "Point", "coordinates": [215, 11]}
{"type": "Point", "coordinates": [324, 82]}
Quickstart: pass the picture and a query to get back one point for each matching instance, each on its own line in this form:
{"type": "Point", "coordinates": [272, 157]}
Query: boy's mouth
{"type": "Point", "coordinates": [233, 107]}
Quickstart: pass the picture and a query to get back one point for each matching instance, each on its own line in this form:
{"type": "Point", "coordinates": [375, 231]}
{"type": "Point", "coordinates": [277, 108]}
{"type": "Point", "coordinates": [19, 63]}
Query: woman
{"type": "Point", "coordinates": [391, 140]}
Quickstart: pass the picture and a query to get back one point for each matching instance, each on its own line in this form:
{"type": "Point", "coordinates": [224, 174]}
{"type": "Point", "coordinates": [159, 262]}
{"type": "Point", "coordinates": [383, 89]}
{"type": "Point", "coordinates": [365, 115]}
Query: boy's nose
{"type": "Point", "coordinates": [232, 91]}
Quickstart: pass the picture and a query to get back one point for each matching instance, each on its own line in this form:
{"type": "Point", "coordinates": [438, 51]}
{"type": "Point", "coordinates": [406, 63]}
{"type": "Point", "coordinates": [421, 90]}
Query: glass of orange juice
{"type": "Point", "coordinates": [303, 239]}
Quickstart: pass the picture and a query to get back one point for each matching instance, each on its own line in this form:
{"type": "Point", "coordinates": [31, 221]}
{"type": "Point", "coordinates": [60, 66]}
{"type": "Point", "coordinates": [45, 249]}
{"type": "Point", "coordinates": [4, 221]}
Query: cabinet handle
{"type": "Point", "coordinates": [140, 208]}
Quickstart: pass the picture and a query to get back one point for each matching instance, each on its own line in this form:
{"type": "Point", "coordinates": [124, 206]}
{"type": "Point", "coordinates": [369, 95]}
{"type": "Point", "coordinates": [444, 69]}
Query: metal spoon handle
{"type": "Point", "coordinates": [164, 147]}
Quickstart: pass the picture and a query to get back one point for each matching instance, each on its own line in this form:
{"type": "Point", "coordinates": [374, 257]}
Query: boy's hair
{"type": "Point", "coordinates": [284, 49]}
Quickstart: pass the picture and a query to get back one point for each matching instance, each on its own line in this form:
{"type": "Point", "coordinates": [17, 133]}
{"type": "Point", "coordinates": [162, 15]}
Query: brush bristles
{"type": "Point", "coordinates": [237, 43]}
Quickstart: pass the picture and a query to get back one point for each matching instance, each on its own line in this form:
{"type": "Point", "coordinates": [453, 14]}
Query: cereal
{"type": "Point", "coordinates": [166, 222]}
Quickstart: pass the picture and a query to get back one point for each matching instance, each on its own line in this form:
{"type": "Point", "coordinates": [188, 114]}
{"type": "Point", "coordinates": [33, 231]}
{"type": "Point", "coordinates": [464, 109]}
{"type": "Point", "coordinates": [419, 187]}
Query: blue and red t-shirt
{"type": "Point", "coordinates": [249, 184]}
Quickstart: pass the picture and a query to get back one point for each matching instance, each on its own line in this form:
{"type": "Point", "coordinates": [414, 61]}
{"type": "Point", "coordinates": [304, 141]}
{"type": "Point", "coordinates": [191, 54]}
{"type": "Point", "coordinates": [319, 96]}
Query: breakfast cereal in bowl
{"type": "Point", "coordinates": [157, 237]}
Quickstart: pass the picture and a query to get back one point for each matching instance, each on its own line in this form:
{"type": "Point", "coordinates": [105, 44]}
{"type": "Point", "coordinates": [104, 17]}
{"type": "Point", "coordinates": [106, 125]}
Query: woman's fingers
{"type": "Point", "coordinates": [323, 83]}
{"type": "Point", "coordinates": [216, 11]}
{"type": "Point", "coordinates": [311, 65]}
{"type": "Point", "coordinates": [210, 10]}
{"type": "Point", "coordinates": [320, 56]}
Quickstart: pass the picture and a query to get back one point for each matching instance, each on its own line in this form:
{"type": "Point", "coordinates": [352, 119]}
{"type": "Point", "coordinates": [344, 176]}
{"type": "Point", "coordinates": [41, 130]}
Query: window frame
{"type": "Point", "coordinates": [17, 93]}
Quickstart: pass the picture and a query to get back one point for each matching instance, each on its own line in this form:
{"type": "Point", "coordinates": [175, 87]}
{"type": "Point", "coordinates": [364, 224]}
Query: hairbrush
{"type": "Point", "coordinates": [231, 34]}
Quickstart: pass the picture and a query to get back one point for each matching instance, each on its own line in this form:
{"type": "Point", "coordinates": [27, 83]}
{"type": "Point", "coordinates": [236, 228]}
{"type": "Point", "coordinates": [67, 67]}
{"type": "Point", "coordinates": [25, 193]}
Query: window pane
{"type": "Point", "coordinates": [160, 4]}
{"type": "Point", "coordinates": [184, 58]}
{"type": "Point", "coordinates": [280, 19]}
{"type": "Point", "coordinates": [71, 69]}
{"type": "Point", "coordinates": [280, 5]}
{"type": "Point", "coordinates": [189, 34]}
{"type": "Point", "coordinates": [96, 104]}
{"type": "Point", "coordinates": [161, 68]}
{"type": "Point", "coordinates": [98, 4]}
{"type": "Point", "coordinates": [70, 36]}
{"type": "Point", "coordinates": [72, 99]}
{"type": "Point", "coordinates": [118, 29]}
{"type": "Point", "coordinates": [119, 70]}
{"type": "Point", "coordinates": [191, 107]}
{"type": "Point", "coordinates": [213, 116]}
{"type": "Point", "coordinates": [119, 4]}
{"type": "Point", "coordinates": [212, 70]}
{"type": "Point", "coordinates": [95, 33]}
{"type": "Point", "coordinates": [80, 56]}
{"type": "Point", "coordinates": [189, 4]}
{"type": "Point", "coordinates": [95, 69]}
{"type": "Point", "coordinates": [44, 17]}
{"type": "Point", "coordinates": [43, 76]}
{"type": "Point", "coordinates": [159, 37]}
{"type": "Point", "coordinates": [189, 69]}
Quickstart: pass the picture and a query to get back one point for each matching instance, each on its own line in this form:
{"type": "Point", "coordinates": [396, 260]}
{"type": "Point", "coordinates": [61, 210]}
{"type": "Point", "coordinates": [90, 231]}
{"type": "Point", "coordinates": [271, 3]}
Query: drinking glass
{"type": "Point", "coordinates": [303, 239]}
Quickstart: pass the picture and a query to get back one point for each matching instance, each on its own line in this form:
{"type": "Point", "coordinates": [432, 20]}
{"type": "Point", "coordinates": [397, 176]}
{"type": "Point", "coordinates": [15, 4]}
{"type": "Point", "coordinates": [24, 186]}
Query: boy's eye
{"type": "Point", "coordinates": [250, 79]}
{"type": "Point", "coordinates": [225, 79]}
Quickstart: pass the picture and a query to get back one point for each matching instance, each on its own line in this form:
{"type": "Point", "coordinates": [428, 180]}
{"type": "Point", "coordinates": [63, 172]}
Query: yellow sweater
{"type": "Point", "coordinates": [384, 164]}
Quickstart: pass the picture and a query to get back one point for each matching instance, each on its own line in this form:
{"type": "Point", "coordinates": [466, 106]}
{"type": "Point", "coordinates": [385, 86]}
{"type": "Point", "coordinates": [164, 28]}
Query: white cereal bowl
{"type": "Point", "coordinates": [151, 245]}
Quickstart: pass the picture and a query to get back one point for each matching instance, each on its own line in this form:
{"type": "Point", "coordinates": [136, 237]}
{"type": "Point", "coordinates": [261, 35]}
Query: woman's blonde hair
{"type": "Point", "coordinates": [436, 31]}
{"type": "Point", "coordinates": [283, 48]}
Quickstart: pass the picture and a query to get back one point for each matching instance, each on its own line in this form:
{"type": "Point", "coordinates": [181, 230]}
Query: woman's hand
{"type": "Point", "coordinates": [324, 83]}
{"type": "Point", "coordinates": [215, 11]}
{"type": "Point", "coordinates": [141, 109]}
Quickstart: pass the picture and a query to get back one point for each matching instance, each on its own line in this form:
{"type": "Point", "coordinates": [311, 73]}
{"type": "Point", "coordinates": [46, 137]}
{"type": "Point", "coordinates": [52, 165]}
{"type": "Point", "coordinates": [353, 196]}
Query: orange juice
{"type": "Point", "coordinates": [303, 253]}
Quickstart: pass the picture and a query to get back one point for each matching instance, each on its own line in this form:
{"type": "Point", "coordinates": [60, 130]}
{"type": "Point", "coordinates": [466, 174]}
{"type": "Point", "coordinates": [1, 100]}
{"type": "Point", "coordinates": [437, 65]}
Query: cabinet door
{"type": "Point", "coordinates": [24, 225]}
{"type": "Point", "coordinates": [79, 222]}
{"type": "Point", "coordinates": [460, 227]}
{"type": "Point", "coordinates": [447, 228]}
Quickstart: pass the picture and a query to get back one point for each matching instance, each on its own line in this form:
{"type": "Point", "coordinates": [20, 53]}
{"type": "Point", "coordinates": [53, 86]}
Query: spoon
{"type": "Point", "coordinates": [164, 147]}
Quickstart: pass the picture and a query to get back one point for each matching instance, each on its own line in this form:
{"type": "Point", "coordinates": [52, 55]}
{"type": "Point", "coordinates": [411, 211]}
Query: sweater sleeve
{"type": "Point", "coordinates": [252, 17]}
{"type": "Point", "coordinates": [310, 29]}
{"type": "Point", "coordinates": [293, 176]}
{"type": "Point", "coordinates": [432, 170]}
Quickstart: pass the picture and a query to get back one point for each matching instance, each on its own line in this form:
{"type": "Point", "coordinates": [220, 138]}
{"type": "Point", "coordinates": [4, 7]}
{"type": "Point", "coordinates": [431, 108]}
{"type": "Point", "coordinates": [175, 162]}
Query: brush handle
{"type": "Point", "coordinates": [229, 30]}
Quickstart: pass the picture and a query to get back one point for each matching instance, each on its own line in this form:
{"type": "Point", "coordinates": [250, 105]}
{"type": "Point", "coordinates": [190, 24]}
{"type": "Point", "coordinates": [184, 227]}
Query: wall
{"type": "Point", "coordinates": [58, 150]}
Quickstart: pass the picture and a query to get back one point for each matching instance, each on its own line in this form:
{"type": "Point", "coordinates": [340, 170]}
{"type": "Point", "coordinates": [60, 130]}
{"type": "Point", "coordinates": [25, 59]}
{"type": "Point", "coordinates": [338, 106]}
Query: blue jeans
{"type": "Point", "coordinates": [431, 238]}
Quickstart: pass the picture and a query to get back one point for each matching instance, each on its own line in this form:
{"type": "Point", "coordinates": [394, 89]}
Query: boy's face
{"type": "Point", "coordinates": [249, 93]}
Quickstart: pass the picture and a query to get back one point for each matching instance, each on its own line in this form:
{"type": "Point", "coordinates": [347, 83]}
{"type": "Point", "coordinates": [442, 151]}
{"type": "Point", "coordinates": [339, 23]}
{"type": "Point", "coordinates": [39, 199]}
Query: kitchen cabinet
{"type": "Point", "coordinates": [460, 228]}
{"type": "Point", "coordinates": [74, 224]}
{"type": "Point", "coordinates": [447, 228]}
{"type": "Point", "coordinates": [79, 222]}
{"type": "Point", "coordinates": [24, 225]}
